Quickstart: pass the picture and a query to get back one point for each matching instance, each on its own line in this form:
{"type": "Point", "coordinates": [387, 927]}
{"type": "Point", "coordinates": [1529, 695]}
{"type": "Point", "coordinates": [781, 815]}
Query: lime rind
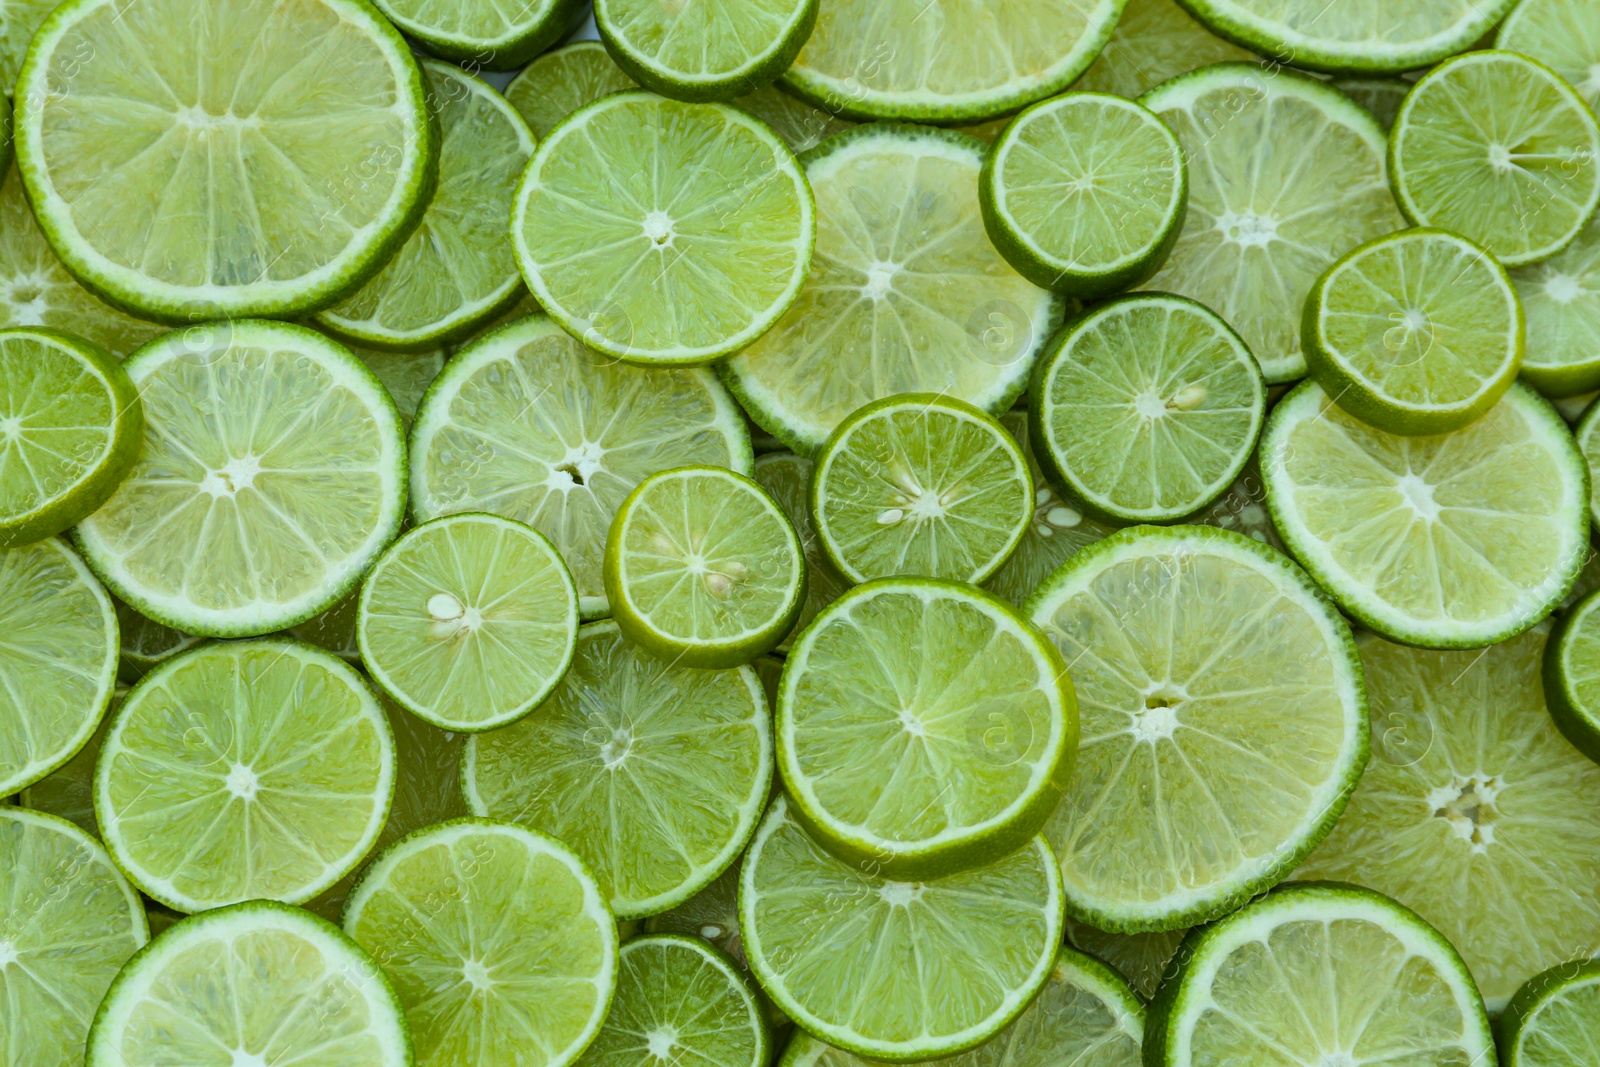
{"type": "Point", "coordinates": [1552, 1018]}
{"type": "Point", "coordinates": [1562, 34]}
{"type": "Point", "coordinates": [1155, 40]}
{"type": "Point", "coordinates": [762, 51]}
{"type": "Point", "coordinates": [1572, 675]}
{"type": "Point", "coordinates": [1587, 434]}
{"type": "Point", "coordinates": [787, 479]}
{"type": "Point", "coordinates": [1561, 302]}
{"type": "Point", "coordinates": [529, 27]}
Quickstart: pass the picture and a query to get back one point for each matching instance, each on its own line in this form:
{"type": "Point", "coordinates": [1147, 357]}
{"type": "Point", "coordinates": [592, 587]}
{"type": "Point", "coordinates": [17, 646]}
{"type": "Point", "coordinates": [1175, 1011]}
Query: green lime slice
{"type": "Point", "coordinates": [261, 506]}
{"type": "Point", "coordinates": [654, 773]}
{"type": "Point", "coordinates": [19, 20]}
{"type": "Point", "coordinates": [58, 659]}
{"type": "Point", "coordinates": [703, 568]}
{"type": "Point", "coordinates": [1564, 35]}
{"type": "Point", "coordinates": [1499, 149]}
{"type": "Point", "coordinates": [1154, 40]}
{"type": "Point", "coordinates": [68, 791]}
{"type": "Point", "coordinates": [1451, 541]}
{"type": "Point", "coordinates": [484, 34]}
{"type": "Point", "coordinates": [787, 479]}
{"type": "Point", "coordinates": [907, 294]}
{"type": "Point", "coordinates": [468, 621]}
{"type": "Point", "coordinates": [244, 770]}
{"type": "Point", "coordinates": [1223, 718]}
{"type": "Point", "coordinates": [851, 956]}
{"type": "Point", "coordinates": [146, 643]}
{"type": "Point", "coordinates": [497, 939]}
{"type": "Point", "coordinates": [1380, 96]}
{"type": "Point", "coordinates": [405, 376]}
{"type": "Point", "coordinates": [1474, 811]}
{"type": "Point", "coordinates": [1085, 193]}
{"type": "Point", "coordinates": [920, 484]}
{"type": "Point", "coordinates": [1321, 975]}
{"type": "Point", "coordinates": [1417, 332]}
{"type": "Point", "coordinates": [530, 424]}
{"type": "Point", "coordinates": [713, 50]}
{"type": "Point", "coordinates": [1554, 1019]}
{"type": "Point", "coordinates": [1288, 176]}
{"type": "Point", "coordinates": [1561, 301]}
{"type": "Point", "coordinates": [1146, 408]}
{"type": "Point", "coordinates": [801, 126]}
{"type": "Point", "coordinates": [172, 166]}
{"type": "Point", "coordinates": [946, 61]}
{"type": "Point", "coordinates": [663, 232]}
{"type": "Point", "coordinates": [563, 80]}
{"type": "Point", "coordinates": [68, 923]}
{"type": "Point", "coordinates": [1141, 959]}
{"type": "Point", "coordinates": [258, 982]}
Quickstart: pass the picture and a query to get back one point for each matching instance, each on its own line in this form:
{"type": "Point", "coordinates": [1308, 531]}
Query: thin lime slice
{"type": "Point", "coordinates": [1452, 541]}
{"type": "Point", "coordinates": [1085, 193]}
{"type": "Point", "coordinates": [655, 773]}
{"type": "Point", "coordinates": [1416, 332]}
{"type": "Point", "coordinates": [19, 20]}
{"type": "Point", "coordinates": [217, 163]}
{"type": "Point", "coordinates": [244, 770]}
{"type": "Point", "coordinates": [484, 34]}
{"type": "Point", "coordinates": [946, 61]}
{"type": "Point", "coordinates": [146, 643]}
{"type": "Point", "coordinates": [405, 376]}
{"type": "Point", "coordinates": [258, 982]}
{"type": "Point", "coordinates": [1319, 974]}
{"type": "Point", "coordinates": [1572, 676]}
{"type": "Point", "coordinates": [68, 923]}
{"type": "Point", "coordinates": [923, 727]}
{"type": "Point", "coordinates": [787, 479]}
{"type": "Point", "coordinates": [1554, 1019]}
{"type": "Point", "coordinates": [58, 659]}
{"type": "Point", "coordinates": [561, 81]}
{"type": "Point", "coordinates": [703, 568]}
{"type": "Point", "coordinates": [68, 791]}
{"type": "Point", "coordinates": [1475, 811]}
{"type": "Point", "coordinates": [1154, 40]}
{"type": "Point", "coordinates": [1562, 34]}
{"type": "Point", "coordinates": [1146, 408]}
{"type": "Point", "coordinates": [530, 424]}
{"type": "Point", "coordinates": [497, 939]}
{"type": "Point", "coordinates": [1499, 149]}
{"type": "Point", "coordinates": [712, 50]}
{"type": "Point", "coordinates": [663, 232]}
{"type": "Point", "coordinates": [468, 621]}
{"type": "Point", "coordinates": [1141, 959]}
{"type": "Point", "coordinates": [1380, 96]}
{"type": "Point", "coordinates": [261, 506]}
{"type": "Point", "coordinates": [907, 294]}
{"type": "Point", "coordinates": [1288, 176]}
{"type": "Point", "coordinates": [919, 484]}
{"type": "Point", "coordinates": [1561, 300]}
{"type": "Point", "coordinates": [851, 956]}
{"type": "Point", "coordinates": [801, 126]}
{"type": "Point", "coordinates": [1223, 716]}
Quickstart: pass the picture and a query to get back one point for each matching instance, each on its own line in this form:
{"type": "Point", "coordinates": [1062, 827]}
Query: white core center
{"type": "Point", "coordinates": [246, 1058]}
{"type": "Point", "coordinates": [1157, 720]}
{"type": "Point", "coordinates": [661, 1042]}
{"type": "Point", "coordinates": [1338, 1059]}
{"type": "Point", "coordinates": [26, 297]}
{"type": "Point", "coordinates": [1563, 288]}
{"type": "Point", "coordinates": [880, 279]}
{"type": "Point", "coordinates": [1150, 406]}
{"type": "Point", "coordinates": [900, 894]}
{"type": "Point", "coordinates": [577, 466]}
{"type": "Point", "coordinates": [1500, 158]}
{"type": "Point", "coordinates": [615, 749]}
{"type": "Point", "coordinates": [477, 975]}
{"type": "Point", "coordinates": [1247, 228]}
{"type": "Point", "coordinates": [242, 782]}
{"type": "Point", "coordinates": [235, 476]}
{"type": "Point", "coordinates": [8, 954]}
{"type": "Point", "coordinates": [11, 427]}
{"type": "Point", "coordinates": [658, 226]}
{"type": "Point", "coordinates": [1419, 494]}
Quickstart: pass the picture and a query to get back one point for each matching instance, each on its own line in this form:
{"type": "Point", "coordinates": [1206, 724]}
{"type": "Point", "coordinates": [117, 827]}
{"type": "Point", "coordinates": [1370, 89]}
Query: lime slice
{"type": "Point", "coordinates": [1475, 811]}
{"type": "Point", "coordinates": [851, 956]}
{"type": "Point", "coordinates": [655, 773]}
{"type": "Point", "coordinates": [1572, 676]}
{"type": "Point", "coordinates": [497, 939]}
{"type": "Point", "coordinates": [1562, 34]}
{"type": "Point", "coordinates": [907, 293]}
{"type": "Point", "coordinates": [1320, 975]}
{"type": "Point", "coordinates": [262, 506]}
{"type": "Point", "coordinates": [209, 194]}
{"type": "Point", "coordinates": [662, 232]}
{"type": "Point", "coordinates": [58, 659]}
{"type": "Point", "coordinates": [484, 34]}
{"type": "Point", "coordinates": [1497, 148]}
{"type": "Point", "coordinates": [1293, 178]}
{"type": "Point", "coordinates": [1154, 40]}
{"type": "Point", "coordinates": [1085, 193]}
{"type": "Point", "coordinates": [946, 61]}
{"type": "Point", "coordinates": [787, 479]}
{"type": "Point", "coordinates": [146, 643]}
{"type": "Point", "coordinates": [1146, 408]}
{"type": "Point", "coordinates": [530, 424]}
{"type": "Point", "coordinates": [1380, 96]}
{"type": "Point", "coordinates": [244, 770]}
{"type": "Point", "coordinates": [923, 727]}
{"type": "Point", "coordinates": [561, 81]}
{"type": "Point", "coordinates": [405, 376]}
{"type": "Point", "coordinates": [1141, 959]}
{"type": "Point", "coordinates": [801, 126]}
{"type": "Point", "coordinates": [919, 484]}
{"type": "Point", "coordinates": [19, 20]}
{"type": "Point", "coordinates": [1554, 1019]}
{"type": "Point", "coordinates": [712, 50]}
{"type": "Point", "coordinates": [468, 621]}
{"type": "Point", "coordinates": [703, 568]}
{"type": "Point", "coordinates": [258, 982]}
{"type": "Point", "coordinates": [1561, 300]}
{"type": "Point", "coordinates": [68, 923]}
{"type": "Point", "coordinates": [1223, 720]}
{"type": "Point", "coordinates": [1452, 541]}
{"type": "Point", "coordinates": [68, 791]}
{"type": "Point", "coordinates": [1418, 332]}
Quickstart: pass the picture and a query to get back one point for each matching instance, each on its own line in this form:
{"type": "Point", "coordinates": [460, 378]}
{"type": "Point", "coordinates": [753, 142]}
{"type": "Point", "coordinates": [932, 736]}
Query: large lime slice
{"type": "Point", "coordinates": [710, 50]}
{"type": "Point", "coordinates": [563, 80]}
{"type": "Point", "coordinates": [1561, 301]}
{"type": "Point", "coordinates": [1554, 1019]}
{"type": "Point", "coordinates": [484, 34]}
{"type": "Point", "coordinates": [230, 160]}
{"type": "Point", "coordinates": [1562, 34]}
{"type": "Point", "coordinates": [1154, 40]}
{"type": "Point", "coordinates": [787, 479]}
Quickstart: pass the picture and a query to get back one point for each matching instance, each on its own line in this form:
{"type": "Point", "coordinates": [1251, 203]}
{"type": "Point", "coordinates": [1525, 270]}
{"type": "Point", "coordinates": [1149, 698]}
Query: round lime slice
{"type": "Point", "coordinates": [146, 643]}
{"type": "Point", "coordinates": [787, 479]}
{"type": "Point", "coordinates": [266, 179]}
{"type": "Point", "coordinates": [801, 126]}
{"type": "Point", "coordinates": [530, 424]}
{"type": "Point", "coordinates": [1554, 1019]}
{"type": "Point", "coordinates": [1452, 541]}
{"type": "Point", "coordinates": [713, 50]}
{"type": "Point", "coordinates": [563, 80]}
{"type": "Point", "coordinates": [1562, 34]}
{"type": "Point", "coordinates": [1561, 301]}
{"type": "Point", "coordinates": [1141, 959]}
{"type": "Point", "coordinates": [484, 34]}
{"type": "Point", "coordinates": [1154, 40]}
{"type": "Point", "coordinates": [68, 791]}
{"type": "Point", "coordinates": [1499, 149]}
{"type": "Point", "coordinates": [244, 770]}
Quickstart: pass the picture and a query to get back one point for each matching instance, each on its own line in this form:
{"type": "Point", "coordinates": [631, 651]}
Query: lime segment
{"type": "Point", "coordinates": [1554, 1019]}
{"type": "Point", "coordinates": [1561, 301]}
{"type": "Point", "coordinates": [787, 479]}
{"type": "Point", "coordinates": [563, 80]}
{"type": "Point", "coordinates": [711, 50]}
{"type": "Point", "coordinates": [1154, 40]}
{"type": "Point", "coordinates": [1562, 34]}
{"type": "Point", "coordinates": [487, 34]}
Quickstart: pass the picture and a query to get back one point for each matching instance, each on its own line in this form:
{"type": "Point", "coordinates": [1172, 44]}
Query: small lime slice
{"type": "Point", "coordinates": [655, 773]}
{"type": "Point", "coordinates": [497, 939]}
{"type": "Point", "coordinates": [468, 621]}
{"type": "Point", "coordinates": [1318, 974]}
{"type": "Point", "coordinates": [851, 956]}
{"type": "Point", "coordinates": [1141, 959]}
{"type": "Point", "coordinates": [1562, 34]}
{"type": "Point", "coordinates": [68, 923]}
{"type": "Point", "coordinates": [1554, 1019]}
{"type": "Point", "coordinates": [1561, 300]}
{"type": "Point", "coordinates": [923, 485]}
{"type": "Point", "coordinates": [1417, 332]}
{"type": "Point", "coordinates": [258, 982]}
{"type": "Point", "coordinates": [1223, 716]}
{"type": "Point", "coordinates": [1451, 541]}
{"type": "Point", "coordinates": [244, 770]}
{"type": "Point", "coordinates": [1380, 96]}
{"type": "Point", "coordinates": [563, 80]}
{"type": "Point", "coordinates": [146, 643]}
{"type": "Point", "coordinates": [1154, 40]}
{"type": "Point", "coordinates": [787, 479]}
{"type": "Point", "coordinates": [801, 126]}
{"type": "Point", "coordinates": [484, 34]}
{"type": "Point", "coordinates": [530, 424]}
{"type": "Point", "coordinates": [712, 50]}
{"type": "Point", "coordinates": [1499, 149]}
{"type": "Point", "coordinates": [68, 791]}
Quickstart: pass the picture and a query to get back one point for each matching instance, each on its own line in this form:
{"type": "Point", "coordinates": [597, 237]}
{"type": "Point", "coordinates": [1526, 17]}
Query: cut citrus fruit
{"type": "Point", "coordinates": [1554, 1019]}
{"type": "Point", "coordinates": [713, 915]}
{"type": "Point", "coordinates": [787, 479]}
{"type": "Point", "coordinates": [1561, 300]}
{"type": "Point", "coordinates": [801, 126]}
{"type": "Point", "coordinates": [486, 34]}
{"type": "Point", "coordinates": [712, 50]}
{"type": "Point", "coordinates": [1562, 34]}
{"type": "Point", "coordinates": [19, 20]}
{"type": "Point", "coordinates": [1154, 40]}
{"type": "Point", "coordinates": [563, 80]}
{"type": "Point", "coordinates": [146, 643]}
{"type": "Point", "coordinates": [1141, 959]}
